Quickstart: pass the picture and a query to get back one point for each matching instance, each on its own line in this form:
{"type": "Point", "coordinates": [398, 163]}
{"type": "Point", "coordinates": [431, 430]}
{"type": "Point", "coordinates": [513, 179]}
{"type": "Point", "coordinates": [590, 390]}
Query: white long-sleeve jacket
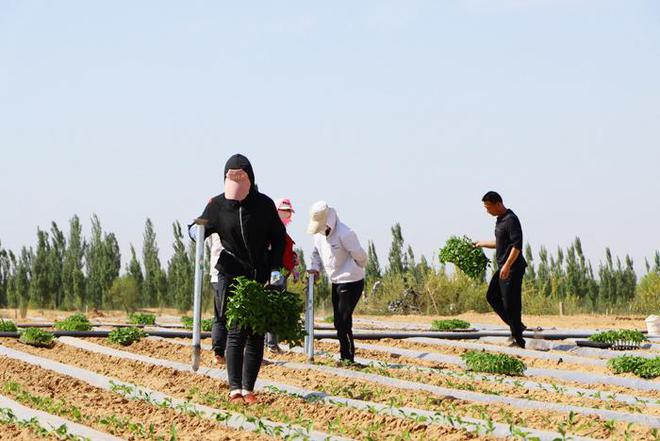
{"type": "Point", "coordinates": [340, 253]}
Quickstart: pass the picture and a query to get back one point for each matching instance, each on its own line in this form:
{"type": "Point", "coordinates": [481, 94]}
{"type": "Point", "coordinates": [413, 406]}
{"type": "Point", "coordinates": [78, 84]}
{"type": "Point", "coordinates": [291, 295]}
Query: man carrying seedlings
{"type": "Point", "coordinates": [252, 237]}
{"type": "Point", "coordinates": [338, 251]}
{"type": "Point", "coordinates": [504, 291]}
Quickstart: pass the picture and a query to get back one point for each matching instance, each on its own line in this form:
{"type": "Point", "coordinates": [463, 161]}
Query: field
{"type": "Point", "coordinates": [414, 388]}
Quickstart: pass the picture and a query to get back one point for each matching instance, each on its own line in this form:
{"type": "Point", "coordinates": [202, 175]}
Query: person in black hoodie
{"type": "Point", "coordinates": [253, 238]}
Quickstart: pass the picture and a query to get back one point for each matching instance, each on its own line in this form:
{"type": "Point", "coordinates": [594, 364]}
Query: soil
{"type": "Point", "coordinates": [274, 406]}
{"type": "Point", "coordinates": [95, 404]}
{"type": "Point", "coordinates": [581, 424]}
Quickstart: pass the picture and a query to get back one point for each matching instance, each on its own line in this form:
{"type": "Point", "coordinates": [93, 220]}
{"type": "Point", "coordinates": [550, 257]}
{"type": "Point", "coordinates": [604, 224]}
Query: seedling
{"type": "Point", "coordinates": [640, 366]}
{"type": "Point", "coordinates": [74, 322]}
{"type": "Point", "coordinates": [142, 318]}
{"type": "Point", "coordinates": [7, 326]}
{"type": "Point", "coordinates": [493, 363]}
{"type": "Point", "coordinates": [447, 325]}
{"type": "Point", "coordinates": [37, 337]}
{"type": "Point", "coordinates": [125, 336]}
{"type": "Point", "coordinates": [465, 256]}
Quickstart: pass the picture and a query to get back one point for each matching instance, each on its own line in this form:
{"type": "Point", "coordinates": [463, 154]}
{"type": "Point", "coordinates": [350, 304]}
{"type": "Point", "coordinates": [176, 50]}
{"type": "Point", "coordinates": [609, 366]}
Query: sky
{"type": "Point", "coordinates": [391, 111]}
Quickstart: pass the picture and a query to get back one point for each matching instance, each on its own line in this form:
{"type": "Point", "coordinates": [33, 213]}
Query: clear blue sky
{"type": "Point", "coordinates": [390, 110]}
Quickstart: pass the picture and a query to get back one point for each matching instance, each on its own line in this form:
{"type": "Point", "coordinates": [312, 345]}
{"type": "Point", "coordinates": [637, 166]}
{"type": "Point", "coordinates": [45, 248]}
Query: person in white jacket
{"type": "Point", "coordinates": [337, 250]}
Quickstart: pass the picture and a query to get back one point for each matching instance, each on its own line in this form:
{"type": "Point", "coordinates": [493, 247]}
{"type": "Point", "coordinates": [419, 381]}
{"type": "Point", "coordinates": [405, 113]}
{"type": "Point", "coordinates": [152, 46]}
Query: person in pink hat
{"type": "Point", "coordinates": [289, 260]}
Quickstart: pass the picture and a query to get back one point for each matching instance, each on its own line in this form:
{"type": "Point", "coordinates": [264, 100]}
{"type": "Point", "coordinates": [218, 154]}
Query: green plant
{"type": "Point", "coordinates": [263, 310]}
{"type": "Point", "coordinates": [465, 256]}
{"type": "Point", "coordinates": [621, 339]}
{"type": "Point", "coordinates": [141, 318]}
{"type": "Point", "coordinates": [493, 363]}
{"type": "Point", "coordinates": [207, 324]}
{"type": "Point", "coordinates": [125, 336]}
{"type": "Point", "coordinates": [74, 322]}
{"type": "Point", "coordinates": [640, 366]}
{"type": "Point", "coordinates": [37, 337]}
{"type": "Point", "coordinates": [445, 325]}
{"type": "Point", "coordinates": [7, 326]}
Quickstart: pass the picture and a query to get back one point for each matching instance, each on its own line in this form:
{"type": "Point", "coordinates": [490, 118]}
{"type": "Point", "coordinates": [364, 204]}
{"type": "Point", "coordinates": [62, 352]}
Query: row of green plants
{"type": "Point", "coordinates": [639, 366]}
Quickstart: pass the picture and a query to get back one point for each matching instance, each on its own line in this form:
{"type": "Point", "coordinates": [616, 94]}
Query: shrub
{"type": "Point", "coordinates": [493, 363]}
{"type": "Point", "coordinates": [465, 256]}
{"type": "Point", "coordinates": [640, 366]}
{"type": "Point", "coordinates": [262, 310]}
{"type": "Point", "coordinates": [7, 326]}
{"type": "Point", "coordinates": [446, 325]}
{"type": "Point", "coordinates": [125, 336]}
{"type": "Point", "coordinates": [141, 318]}
{"type": "Point", "coordinates": [74, 322]}
{"type": "Point", "coordinates": [37, 337]}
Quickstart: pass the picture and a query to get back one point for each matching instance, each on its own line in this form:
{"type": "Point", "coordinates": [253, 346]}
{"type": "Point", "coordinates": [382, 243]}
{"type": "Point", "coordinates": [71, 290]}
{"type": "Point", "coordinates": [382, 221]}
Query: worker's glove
{"type": "Point", "coordinates": [276, 279]}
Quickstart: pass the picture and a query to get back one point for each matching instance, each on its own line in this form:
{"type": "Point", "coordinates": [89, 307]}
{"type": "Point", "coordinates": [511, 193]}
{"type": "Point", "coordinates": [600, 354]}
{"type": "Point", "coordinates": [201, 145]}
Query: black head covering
{"type": "Point", "coordinates": [239, 161]}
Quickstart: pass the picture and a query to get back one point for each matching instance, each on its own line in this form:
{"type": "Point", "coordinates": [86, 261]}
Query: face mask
{"type": "Point", "coordinates": [285, 216]}
{"type": "Point", "coordinates": [237, 185]}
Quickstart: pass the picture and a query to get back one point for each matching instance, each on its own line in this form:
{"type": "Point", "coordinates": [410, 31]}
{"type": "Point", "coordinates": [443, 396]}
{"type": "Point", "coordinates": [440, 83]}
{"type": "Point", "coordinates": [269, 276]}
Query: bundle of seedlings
{"type": "Point", "coordinates": [37, 337]}
{"type": "Point", "coordinates": [266, 310]}
{"type": "Point", "coordinates": [74, 322]}
{"type": "Point", "coordinates": [622, 339]}
{"type": "Point", "coordinates": [125, 336]}
{"type": "Point", "coordinates": [640, 366]}
{"type": "Point", "coordinates": [449, 324]}
{"type": "Point", "coordinates": [187, 322]}
{"type": "Point", "coordinates": [7, 326]}
{"type": "Point", "coordinates": [141, 318]}
{"type": "Point", "coordinates": [465, 256]}
{"type": "Point", "coordinates": [487, 362]}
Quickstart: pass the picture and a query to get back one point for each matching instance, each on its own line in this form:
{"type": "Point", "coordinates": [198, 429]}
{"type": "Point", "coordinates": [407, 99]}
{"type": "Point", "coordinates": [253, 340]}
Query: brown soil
{"type": "Point", "coordinates": [545, 321]}
{"type": "Point", "coordinates": [364, 390]}
{"type": "Point", "coordinates": [274, 406]}
{"type": "Point", "coordinates": [14, 432]}
{"type": "Point", "coordinates": [392, 358]}
{"type": "Point", "coordinates": [95, 404]}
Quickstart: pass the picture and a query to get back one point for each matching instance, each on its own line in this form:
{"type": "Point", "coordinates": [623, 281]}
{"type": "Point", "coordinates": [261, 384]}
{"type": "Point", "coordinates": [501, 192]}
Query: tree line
{"type": "Point", "coordinates": [74, 272]}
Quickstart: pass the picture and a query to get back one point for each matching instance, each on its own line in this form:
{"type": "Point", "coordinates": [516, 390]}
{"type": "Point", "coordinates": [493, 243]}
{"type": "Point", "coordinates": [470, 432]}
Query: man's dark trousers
{"type": "Point", "coordinates": [505, 298]}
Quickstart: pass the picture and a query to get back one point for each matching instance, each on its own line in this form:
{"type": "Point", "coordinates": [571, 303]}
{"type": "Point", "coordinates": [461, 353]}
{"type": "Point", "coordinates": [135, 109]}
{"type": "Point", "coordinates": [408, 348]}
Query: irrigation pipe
{"type": "Point", "coordinates": [235, 420]}
{"type": "Point", "coordinates": [469, 424]}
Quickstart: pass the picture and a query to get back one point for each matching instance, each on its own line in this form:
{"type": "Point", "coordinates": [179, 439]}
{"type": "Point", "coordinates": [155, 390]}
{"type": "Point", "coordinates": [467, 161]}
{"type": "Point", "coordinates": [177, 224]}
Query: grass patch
{"type": "Point", "coordinates": [640, 366]}
{"type": "Point", "coordinates": [447, 325]}
{"type": "Point", "coordinates": [125, 336]}
{"type": "Point", "coordinates": [493, 363]}
{"type": "Point", "coordinates": [74, 322]}
{"type": "Point", "coordinates": [37, 337]}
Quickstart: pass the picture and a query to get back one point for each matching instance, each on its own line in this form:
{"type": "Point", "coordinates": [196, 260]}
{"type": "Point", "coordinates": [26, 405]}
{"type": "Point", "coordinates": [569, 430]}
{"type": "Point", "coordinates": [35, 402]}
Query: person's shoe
{"type": "Point", "coordinates": [518, 344]}
{"type": "Point", "coordinates": [275, 349]}
{"type": "Point", "coordinates": [265, 362]}
{"type": "Point", "coordinates": [219, 359]}
{"type": "Point", "coordinates": [236, 398]}
{"type": "Point", "coordinates": [250, 398]}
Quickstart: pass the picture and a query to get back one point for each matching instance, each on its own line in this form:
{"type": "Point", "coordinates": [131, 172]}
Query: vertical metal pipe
{"type": "Point", "coordinates": [309, 320]}
{"type": "Point", "coordinates": [197, 296]}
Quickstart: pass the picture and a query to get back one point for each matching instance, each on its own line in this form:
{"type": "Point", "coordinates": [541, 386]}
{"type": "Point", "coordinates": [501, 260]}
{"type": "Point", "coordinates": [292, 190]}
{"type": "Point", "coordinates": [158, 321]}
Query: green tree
{"type": "Point", "coordinates": [180, 272]}
{"type": "Point", "coordinates": [73, 277]}
{"type": "Point", "coordinates": [103, 261]}
{"type": "Point", "coordinates": [124, 293]}
{"type": "Point", "coordinates": [12, 296]}
{"type": "Point", "coordinates": [5, 267]}
{"type": "Point", "coordinates": [395, 259]}
{"type": "Point", "coordinates": [530, 273]}
{"type": "Point", "coordinates": [55, 264]}
{"type": "Point", "coordinates": [22, 279]}
{"type": "Point", "coordinates": [544, 283]}
{"type": "Point", "coordinates": [373, 266]}
{"type": "Point", "coordinates": [153, 287]}
{"type": "Point", "coordinates": [39, 282]}
{"type": "Point", "coordinates": [135, 270]}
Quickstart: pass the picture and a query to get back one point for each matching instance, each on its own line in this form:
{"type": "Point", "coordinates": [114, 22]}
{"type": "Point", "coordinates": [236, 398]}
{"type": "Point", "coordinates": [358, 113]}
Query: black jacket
{"type": "Point", "coordinates": [251, 233]}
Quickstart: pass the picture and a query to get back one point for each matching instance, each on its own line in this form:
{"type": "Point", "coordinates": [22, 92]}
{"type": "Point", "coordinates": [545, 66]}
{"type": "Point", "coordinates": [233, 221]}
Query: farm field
{"type": "Point", "coordinates": [411, 388]}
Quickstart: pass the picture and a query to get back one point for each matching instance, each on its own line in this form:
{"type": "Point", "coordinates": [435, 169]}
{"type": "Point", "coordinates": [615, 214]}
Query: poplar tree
{"type": "Point", "coordinates": [153, 287]}
{"type": "Point", "coordinates": [395, 258]}
{"type": "Point", "coordinates": [73, 278]}
{"type": "Point", "coordinates": [39, 277]}
{"type": "Point", "coordinates": [373, 266]}
{"type": "Point", "coordinates": [180, 272]}
{"type": "Point", "coordinates": [55, 265]}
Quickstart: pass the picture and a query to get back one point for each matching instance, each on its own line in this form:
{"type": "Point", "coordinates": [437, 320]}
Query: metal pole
{"type": "Point", "coordinates": [197, 296]}
{"type": "Point", "coordinates": [309, 320]}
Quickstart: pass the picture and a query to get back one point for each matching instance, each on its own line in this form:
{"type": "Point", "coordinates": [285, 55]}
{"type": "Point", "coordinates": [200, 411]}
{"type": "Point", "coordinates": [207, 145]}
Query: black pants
{"type": "Point", "coordinates": [219, 328]}
{"type": "Point", "coordinates": [505, 298]}
{"type": "Point", "coordinates": [245, 351]}
{"type": "Point", "coordinates": [345, 297]}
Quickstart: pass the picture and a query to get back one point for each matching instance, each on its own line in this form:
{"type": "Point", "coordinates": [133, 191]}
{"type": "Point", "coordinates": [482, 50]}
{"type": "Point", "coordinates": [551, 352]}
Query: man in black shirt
{"type": "Point", "coordinates": [504, 291]}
